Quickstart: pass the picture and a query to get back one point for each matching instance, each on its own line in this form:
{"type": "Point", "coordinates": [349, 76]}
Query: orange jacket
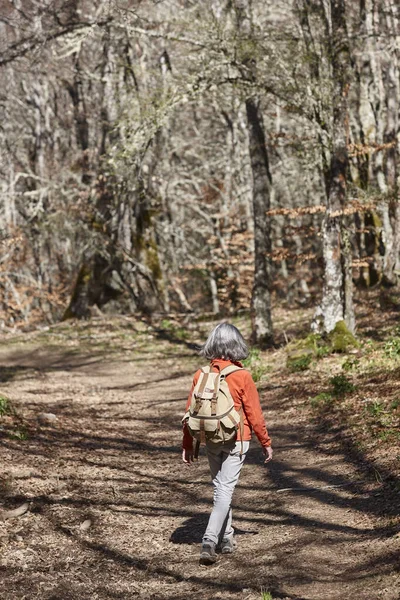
{"type": "Point", "coordinates": [244, 394]}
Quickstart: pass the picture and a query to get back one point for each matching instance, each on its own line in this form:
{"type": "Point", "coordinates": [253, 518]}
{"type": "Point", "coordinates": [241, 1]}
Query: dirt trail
{"type": "Point", "coordinates": [113, 458]}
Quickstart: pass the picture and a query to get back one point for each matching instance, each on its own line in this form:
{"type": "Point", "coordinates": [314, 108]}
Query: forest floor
{"type": "Point", "coordinates": [114, 513]}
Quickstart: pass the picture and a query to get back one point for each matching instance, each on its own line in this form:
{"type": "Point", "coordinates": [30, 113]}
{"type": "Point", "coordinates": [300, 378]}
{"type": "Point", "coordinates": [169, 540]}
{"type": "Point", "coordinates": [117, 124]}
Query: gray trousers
{"type": "Point", "coordinates": [225, 466]}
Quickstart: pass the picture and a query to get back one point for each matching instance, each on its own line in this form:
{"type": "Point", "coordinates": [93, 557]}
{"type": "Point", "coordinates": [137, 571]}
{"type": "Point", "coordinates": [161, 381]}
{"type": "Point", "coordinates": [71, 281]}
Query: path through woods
{"type": "Point", "coordinates": [115, 514]}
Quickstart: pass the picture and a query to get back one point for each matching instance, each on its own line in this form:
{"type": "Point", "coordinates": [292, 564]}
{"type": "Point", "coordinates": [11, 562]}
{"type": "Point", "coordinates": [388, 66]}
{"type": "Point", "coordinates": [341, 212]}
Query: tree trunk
{"type": "Point", "coordinates": [261, 298]}
{"type": "Point", "coordinates": [337, 300]}
{"type": "Point", "coordinates": [380, 76]}
{"type": "Point", "coordinates": [79, 303]}
{"type": "Point", "coordinates": [81, 119]}
{"type": "Point", "coordinates": [214, 293]}
{"type": "Point", "coordinates": [262, 333]}
{"type": "Point", "coordinates": [392, 273]}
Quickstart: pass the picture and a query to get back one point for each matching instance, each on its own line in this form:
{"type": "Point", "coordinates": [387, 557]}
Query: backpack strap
{"type": "Point", "coordinates": [224, 373]}
{"type": "Point", "coordinates": [214, 398]}
{"type": "Point", "coordinates": [204, 371]}
{"type": "Point", "coordinates": [202, 431]}
{"type": "Point", "coordinates": [230, 369]}
{"type": "Point", "coordinates": [241, 429]}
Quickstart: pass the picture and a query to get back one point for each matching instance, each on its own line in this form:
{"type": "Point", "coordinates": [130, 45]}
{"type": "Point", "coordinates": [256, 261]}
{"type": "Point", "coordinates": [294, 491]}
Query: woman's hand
{"type": "Point", "coordinates": [187, 457]}
{"type": "Point", "coordinates": [267, 450]}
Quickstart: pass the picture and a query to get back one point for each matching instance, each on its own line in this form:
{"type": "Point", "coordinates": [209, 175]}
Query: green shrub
{"type": "Point", "coordinates": [258, 372]}
{"type": "Point", "coordinates": [312, 344]}
{"type": "Point", "coordinates": [350, 364]}
{"type": "Point", "coordinates": [302, 363]}
{"type": "Point", "coordinates": [324, 398]}
{"type": "Point", "coordinates": [375, 408]}
{"type": "Point", "coordinates": [181, 334]}
{"type": "Point", "coordinates": [341, 385]}
{"type": "Point", "coordinates": [5, 406]}
{"type": "Point", "coordinates": [178, 332]}
{"type": "Point", "coordinates": [392, 347]}
{"type": "Point", "coordinates": [395, 404]}
{"type": "Point", "coordinates": [389, 434]}
{"type": "Point", "coordinates": [301, 352]}
{"type": "Point", "coordinates": [167, 324]}
{"type": "Point", "coordinates": [322, 351]}
{"type": "Point", "coordinates": [254, 356]}
{"type": "Point", "coordinates": [20, 434]}
{"type": "Point", "coordinates": [254, 364]}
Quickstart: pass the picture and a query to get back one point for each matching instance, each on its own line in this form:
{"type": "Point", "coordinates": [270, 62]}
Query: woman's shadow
{"type": "Point", "coordinates": [192, 530]}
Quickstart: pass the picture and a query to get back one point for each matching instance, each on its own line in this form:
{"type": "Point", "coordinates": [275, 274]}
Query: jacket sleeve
{"type": "Point", "coordinates": [187, 441]}
{"type": "Point", "coordinates": [252, 408]}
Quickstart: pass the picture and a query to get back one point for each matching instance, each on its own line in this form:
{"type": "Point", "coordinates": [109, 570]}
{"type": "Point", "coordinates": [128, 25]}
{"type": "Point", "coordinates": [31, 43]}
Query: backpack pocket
{"type": "Point", "coordinates": [216, 430]}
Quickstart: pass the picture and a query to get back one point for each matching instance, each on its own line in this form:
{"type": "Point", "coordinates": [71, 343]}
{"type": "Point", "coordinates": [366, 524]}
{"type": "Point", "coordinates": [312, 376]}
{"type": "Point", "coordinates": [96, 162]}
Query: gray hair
{"type": "Point", "coordinates": [225, 341]}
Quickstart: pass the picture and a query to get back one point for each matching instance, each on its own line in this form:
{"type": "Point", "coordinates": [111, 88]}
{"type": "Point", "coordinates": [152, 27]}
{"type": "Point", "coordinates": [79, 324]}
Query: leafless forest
{"type": "Point", "coordinates": [166, 164]}
{"type": "Point", "coordinates": [197, 155]}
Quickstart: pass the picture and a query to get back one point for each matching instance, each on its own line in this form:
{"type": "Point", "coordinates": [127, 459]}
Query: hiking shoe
{"type": "Point", "coordinates": [228, 545]}
{"type": "Point", "coordinates": [207, 553]}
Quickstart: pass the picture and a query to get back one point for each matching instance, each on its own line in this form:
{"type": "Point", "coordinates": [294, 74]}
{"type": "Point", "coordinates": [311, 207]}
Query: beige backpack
{"type": "Point", "coordinates": [212, 415]}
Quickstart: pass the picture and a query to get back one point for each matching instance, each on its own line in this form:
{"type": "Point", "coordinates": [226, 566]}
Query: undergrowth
{"type": "Point", "coordinates": [255, 365]}
{"type": "Point", "coordinates": [12, 423]}
{"type": "Point", "coordinates": [341, 385]}
{"type": "Point", "coordinates": [5, 406]}
{"type": "Point", "coordinates": [175, 330]}
{"type": "Point", "coordinates": [361, 400]}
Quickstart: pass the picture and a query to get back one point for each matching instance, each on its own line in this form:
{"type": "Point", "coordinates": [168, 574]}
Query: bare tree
{"type": "Point", "coordinates": [261, 296]}
{"type": "Point", "coordinates": [330, 74]}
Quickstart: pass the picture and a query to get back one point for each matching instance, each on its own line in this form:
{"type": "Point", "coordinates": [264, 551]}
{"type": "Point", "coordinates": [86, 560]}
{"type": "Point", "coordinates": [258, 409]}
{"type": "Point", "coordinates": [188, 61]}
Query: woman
{"type": "Point", "coordinates": [224, 347]}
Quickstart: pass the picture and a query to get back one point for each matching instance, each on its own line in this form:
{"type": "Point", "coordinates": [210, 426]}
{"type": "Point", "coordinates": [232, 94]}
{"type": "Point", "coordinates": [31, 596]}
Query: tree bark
{"type": "Point", "coordinates": [337, 296]}
{"type": "Point", "coordinates": [261, 297]}
{"type": "Point", "coordinates": [76, 93]}
{"type": "Point", "coordinates": [392, 271]}
{"type": "Point", "coordinates": [262, 333]}
{"type": "Point", "coordinates": [380, 78]}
